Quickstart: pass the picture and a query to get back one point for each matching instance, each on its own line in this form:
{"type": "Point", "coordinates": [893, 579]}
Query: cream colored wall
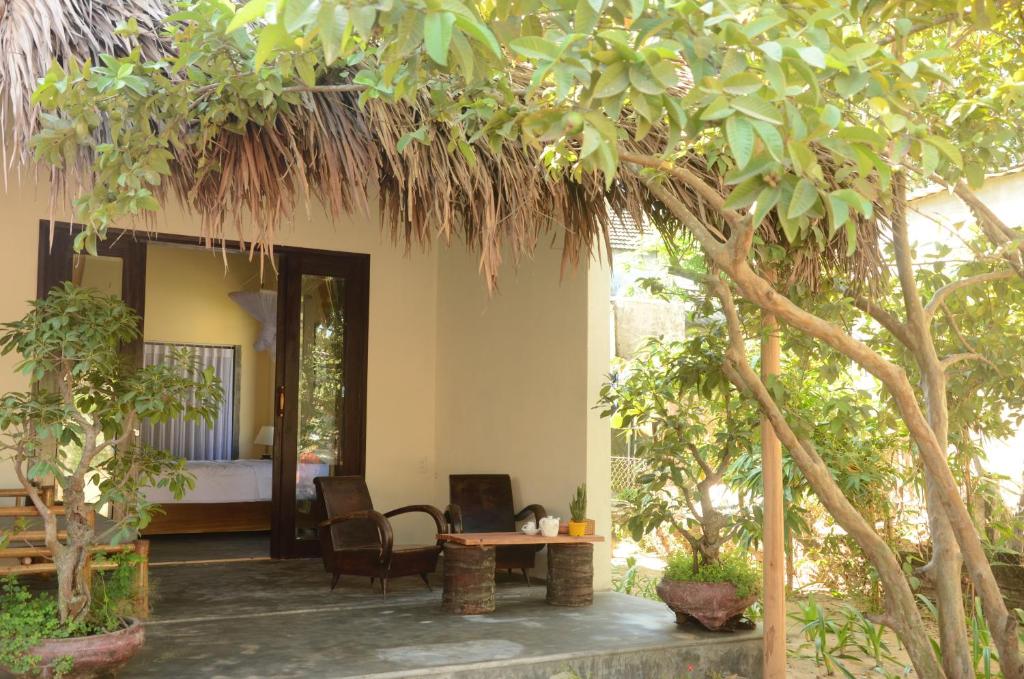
{"type": "Point", "coordinates": [195, 308]}
{"type": "Point", "coordinates": [458, 381]}
{"type": "Point", "coordinates": [403, 333]}
{"type": "Point", "coordinates": [517, 380]}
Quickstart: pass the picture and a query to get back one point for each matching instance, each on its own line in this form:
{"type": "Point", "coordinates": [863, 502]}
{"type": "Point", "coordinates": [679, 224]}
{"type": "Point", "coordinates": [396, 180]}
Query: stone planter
{"type": "Point", "coordinates": [94, 656]}
{"type": "Point", "coordinates": [715, 605]}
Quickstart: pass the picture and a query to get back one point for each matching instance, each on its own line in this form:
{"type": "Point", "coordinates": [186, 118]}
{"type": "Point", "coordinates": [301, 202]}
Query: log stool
{"type": "Point", "coordinates": [468, 579]}
{"type": "Point", "coordinates": [570, 574]}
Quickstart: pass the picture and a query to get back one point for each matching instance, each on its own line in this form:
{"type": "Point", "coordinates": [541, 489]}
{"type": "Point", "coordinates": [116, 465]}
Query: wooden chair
{"type": "Point", "coordinates": [482, 503]}
{"type": "Point", "coordinates": [356, 540]}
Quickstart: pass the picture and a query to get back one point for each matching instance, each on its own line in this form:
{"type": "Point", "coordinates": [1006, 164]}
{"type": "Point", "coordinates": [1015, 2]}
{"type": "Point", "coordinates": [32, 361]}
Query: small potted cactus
{"type": "Point", "coordinates": [578, 512]}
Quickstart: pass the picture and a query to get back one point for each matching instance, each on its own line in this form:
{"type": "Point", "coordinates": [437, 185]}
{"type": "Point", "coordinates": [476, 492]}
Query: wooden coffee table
{"type": "Point", "coordinates": [469, 569]}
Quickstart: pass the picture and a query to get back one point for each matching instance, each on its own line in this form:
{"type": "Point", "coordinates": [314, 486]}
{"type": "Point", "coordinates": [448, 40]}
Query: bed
{"type": "Point", "coordinates": [229, 496]}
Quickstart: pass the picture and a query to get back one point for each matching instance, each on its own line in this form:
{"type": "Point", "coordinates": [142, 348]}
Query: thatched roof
{"type": "Point", "coordinates": [332, 150]}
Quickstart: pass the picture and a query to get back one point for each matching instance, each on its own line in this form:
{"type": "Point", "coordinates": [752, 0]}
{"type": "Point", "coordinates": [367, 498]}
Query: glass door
{"type": "Point", "coordinates": [323, 303]}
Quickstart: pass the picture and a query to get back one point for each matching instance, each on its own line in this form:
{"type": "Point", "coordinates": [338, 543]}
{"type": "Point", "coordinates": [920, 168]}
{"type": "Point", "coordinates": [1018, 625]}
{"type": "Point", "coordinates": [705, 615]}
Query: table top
{"type": "Point", "coordinates": [515, 538]}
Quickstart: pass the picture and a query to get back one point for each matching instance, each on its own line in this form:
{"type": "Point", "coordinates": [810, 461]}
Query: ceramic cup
{"type": "Point", "coordinates": [529, 527]}
{"type": "Point", "coordinates": [549, 526]}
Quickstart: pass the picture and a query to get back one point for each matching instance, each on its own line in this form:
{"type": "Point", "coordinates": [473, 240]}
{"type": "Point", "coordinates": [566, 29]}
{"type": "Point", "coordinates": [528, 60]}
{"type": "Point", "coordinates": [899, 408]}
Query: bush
{"type": "Point", "coordinates": [732, 567]}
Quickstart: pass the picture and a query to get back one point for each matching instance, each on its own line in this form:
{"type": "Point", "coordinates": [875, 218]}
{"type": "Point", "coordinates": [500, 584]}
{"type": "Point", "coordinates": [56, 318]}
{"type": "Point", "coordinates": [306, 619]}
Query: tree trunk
{"type": "Point", "coordinates": [74, 592]}
{"type": "Point", "coordinates": [902, 614]}
{"type": "Point", "coordinates": [945, 568]}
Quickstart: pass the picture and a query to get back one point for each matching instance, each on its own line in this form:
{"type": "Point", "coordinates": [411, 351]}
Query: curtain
{"type": "Point", "coordinates": [189, 439]}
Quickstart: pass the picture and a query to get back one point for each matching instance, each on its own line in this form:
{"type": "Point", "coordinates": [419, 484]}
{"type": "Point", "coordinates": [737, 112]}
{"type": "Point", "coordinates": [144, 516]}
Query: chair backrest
{"type": "Point", "coordinates": [340, 495]}
{"type": "Point", "coordinates": [485, 501]}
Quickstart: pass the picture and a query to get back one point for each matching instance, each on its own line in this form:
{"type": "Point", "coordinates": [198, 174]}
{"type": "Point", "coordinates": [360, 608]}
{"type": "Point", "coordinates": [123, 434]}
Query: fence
{"type": "Point", "coordinates": [625, 471]}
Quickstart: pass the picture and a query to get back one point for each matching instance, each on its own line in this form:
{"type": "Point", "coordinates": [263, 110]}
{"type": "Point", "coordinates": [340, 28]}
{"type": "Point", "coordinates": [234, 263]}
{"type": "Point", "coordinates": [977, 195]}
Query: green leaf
{"type": "Point", "coordinates": [772, 50]}
{"type": "Point", "coordinates": [437, 35]}
{"type": "Point", "coordinates": [805, 195]}
{"type": "Point", "coordinates": [271, 38]}
{"type": "Point", "coordinates": [742, 83]}
{"type": "Point", "coordinates": [299, 13]}
{"type": "Point", "coordinates": [975, 175]}
{"type": "Point", "coordinates": [947, 148]}
{"type": "Point", "coordinates": [641, 77]}
{"type": "Point", "coordinates": [534, 47]}
{"type": "Point", "coordinates": [332, 22]}
{"type": "Point", "coordinates": [249, 12]}
{"type": "Point", "coordinates": [812, 55]}
{"type": "Point", "coordinates": [740, 135]}
{"type": "Point", "coordinates": [771, 137]}
{"type": "Point", "coordinates": [744, 194]}
{"type": "Point", "coordinates": [613, 81]}
{"type": "Point", "coordinates": [766, 200]}
{"type": "Point", "coordinates": [756, 107]}
{"type": "Point", "coordinates": [476, 30]}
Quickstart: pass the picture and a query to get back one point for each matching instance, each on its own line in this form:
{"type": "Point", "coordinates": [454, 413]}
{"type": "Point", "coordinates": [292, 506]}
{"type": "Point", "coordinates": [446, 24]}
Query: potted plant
{"type": "Point", "coordinates": [714, 593]}
{"type": "Point", "coordinates": [77, 428]}
{"type": "Point", "coordinates": [578, 512]}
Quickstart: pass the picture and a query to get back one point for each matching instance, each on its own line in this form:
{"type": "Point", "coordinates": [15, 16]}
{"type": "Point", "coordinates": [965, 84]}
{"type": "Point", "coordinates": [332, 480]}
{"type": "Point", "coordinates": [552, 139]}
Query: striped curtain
{"type": "Point", "coordinates": [189, 439]}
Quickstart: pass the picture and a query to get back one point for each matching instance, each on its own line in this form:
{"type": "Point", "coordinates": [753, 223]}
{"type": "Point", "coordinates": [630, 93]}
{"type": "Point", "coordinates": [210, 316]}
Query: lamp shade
{"type": "Point", "coordinates": [265, 437]}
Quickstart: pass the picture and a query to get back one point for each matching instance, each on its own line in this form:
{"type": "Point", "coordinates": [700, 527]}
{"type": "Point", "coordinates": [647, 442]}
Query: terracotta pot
{"type": "Point", "coordinates": [94, 656]}
{"type": "Point", "coordinates": [715, 605]}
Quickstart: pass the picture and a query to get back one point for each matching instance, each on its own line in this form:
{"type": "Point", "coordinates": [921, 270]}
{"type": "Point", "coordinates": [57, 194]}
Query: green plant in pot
{"type": "Point", "coordinates": [714, 593]}
{"type": "Point", "coordinates": [578, 512]}
{"type": "Point", "coordinates": [77, 428]}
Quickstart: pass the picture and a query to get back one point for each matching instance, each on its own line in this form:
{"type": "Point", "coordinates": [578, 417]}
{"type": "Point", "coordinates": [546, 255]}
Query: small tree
{"type": "Point", "coordinates": [79, 422]}
{"type": "Point", "coordinates": [688, 424]}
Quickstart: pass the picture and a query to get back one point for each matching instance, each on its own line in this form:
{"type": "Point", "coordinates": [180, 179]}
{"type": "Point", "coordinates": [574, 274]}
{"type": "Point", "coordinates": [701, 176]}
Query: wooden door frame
{"type": "Point", "coordinates": [55, 260]}
{"type": "Point", "coordinates": [355, 269]}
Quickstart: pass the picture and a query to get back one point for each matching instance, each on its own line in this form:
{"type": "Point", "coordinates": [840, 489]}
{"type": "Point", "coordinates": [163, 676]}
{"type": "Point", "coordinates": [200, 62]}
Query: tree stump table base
{"type": "Point", "coordinates": [570, 574]}
{"type": "Point", "coordinates": [469, 569]}
{"type": "Point", "coordinates": [468, 580]}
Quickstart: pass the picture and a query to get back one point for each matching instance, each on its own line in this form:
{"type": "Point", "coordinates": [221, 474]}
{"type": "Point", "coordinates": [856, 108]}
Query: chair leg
{"type": "Point", "coordinates": [372, 581]}
{"type": "Point", "coordinates": [334, 580]}
{"type": "Point", "coordinates": [526, 577]}
{"type": "Point", "coordinates": [384, 585]}
{"type": "Point", "coordinates": [510, 572]}
{"type": "Point", "coordinates": [426, 581]}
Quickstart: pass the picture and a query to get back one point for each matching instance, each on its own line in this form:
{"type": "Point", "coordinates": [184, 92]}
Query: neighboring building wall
{"type": "Point", "coordinates": [935, 215]}
{"type": "Point", "coordinates": [518, 374]}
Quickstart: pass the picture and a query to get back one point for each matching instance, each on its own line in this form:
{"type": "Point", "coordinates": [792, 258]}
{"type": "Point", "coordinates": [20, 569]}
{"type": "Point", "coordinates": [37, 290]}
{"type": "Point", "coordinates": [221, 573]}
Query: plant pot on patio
{"type": "Point", "coordinates": [715, 594]}
{"type": "Point", "coordinates": [97, 655]}
{"type": "Point", "coordinates": [715, 605]}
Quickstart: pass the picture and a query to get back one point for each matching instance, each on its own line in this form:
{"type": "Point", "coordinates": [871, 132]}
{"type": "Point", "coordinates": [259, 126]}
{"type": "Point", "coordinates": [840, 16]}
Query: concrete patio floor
{"type": "Point", "coordinates": [279, 619]}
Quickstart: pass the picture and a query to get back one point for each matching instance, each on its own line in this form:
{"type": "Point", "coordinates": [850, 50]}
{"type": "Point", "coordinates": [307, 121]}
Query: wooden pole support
{"type": "Point", "coordinates": [773, 518]}
{"type": "Point", "coordinates": [468, 579]}
{"type": "Point", "coordinates": [571, 574]}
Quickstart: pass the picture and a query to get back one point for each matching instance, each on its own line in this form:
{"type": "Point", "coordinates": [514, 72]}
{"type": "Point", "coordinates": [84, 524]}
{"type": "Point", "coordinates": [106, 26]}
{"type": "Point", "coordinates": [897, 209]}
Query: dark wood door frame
{"type": "Point", "coordinates": [56, 258]}
{"type": "Point", "coordinates": [355, 269]}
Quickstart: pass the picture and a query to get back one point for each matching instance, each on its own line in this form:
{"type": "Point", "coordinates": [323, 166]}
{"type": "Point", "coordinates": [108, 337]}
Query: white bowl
{"type": "Point", "coordinates": [529, 531]}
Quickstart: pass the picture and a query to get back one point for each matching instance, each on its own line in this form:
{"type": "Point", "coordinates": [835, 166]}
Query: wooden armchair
{"type": "Point", "coordinates": [482, 503]}
{"type": "Point", "coordinates": [356, 540]}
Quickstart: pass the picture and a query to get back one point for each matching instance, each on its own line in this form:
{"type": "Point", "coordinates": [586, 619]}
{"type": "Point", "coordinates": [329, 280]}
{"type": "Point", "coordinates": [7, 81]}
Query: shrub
{"type": "Point", "coordinates": [732, 567]}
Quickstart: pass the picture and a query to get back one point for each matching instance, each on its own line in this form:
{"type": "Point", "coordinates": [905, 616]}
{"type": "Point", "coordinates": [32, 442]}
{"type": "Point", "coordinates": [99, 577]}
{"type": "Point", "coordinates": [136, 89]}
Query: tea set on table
{"type": "Point", "coordinates": [548, 527]}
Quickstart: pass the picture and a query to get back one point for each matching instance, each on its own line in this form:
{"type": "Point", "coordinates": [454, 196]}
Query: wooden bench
{"type": "Point", "coordinates": [469, 569]}
{"type": "Point", "coordinates": [34, 558]}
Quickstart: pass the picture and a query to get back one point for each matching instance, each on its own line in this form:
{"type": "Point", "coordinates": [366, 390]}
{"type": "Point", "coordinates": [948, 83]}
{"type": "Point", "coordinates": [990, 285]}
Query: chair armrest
{"type": "Point", "coordinates": [434, 513]}
{"type": "Point", "coordinates": [387, 536]}
{"type": "Point", "coordinates": [537, 511]}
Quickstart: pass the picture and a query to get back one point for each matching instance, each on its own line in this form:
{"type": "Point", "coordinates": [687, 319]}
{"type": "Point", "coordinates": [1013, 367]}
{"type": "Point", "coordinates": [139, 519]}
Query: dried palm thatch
{"type": "Point", "coordinates": [331, 150]}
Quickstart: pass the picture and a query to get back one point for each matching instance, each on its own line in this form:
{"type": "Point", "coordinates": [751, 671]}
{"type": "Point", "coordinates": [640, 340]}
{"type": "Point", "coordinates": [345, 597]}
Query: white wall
{"type": "Point", "coordinates": [939, 216]}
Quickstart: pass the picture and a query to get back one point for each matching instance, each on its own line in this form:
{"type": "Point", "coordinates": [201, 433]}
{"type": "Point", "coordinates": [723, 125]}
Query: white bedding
{"type": "Point", "coordinates": [223, 481]}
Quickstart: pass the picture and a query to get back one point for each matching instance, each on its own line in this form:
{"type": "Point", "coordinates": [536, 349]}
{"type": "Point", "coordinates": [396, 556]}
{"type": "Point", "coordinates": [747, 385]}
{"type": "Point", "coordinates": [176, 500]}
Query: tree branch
{"type": "Point", "coordinates": [946, 290]}
{"type": "Point", "coordinates": [896, 327]}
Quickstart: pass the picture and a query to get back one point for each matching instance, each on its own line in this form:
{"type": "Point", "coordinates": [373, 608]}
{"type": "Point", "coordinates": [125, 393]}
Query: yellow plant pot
{"type": "Point", "coordinates": [577, 529]}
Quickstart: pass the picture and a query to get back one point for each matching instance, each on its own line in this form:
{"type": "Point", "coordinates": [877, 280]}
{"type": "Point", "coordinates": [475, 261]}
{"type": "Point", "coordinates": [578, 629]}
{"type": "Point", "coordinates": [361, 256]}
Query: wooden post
{"type": "Point", "coordinates": [773, 518]}
{"type": "Point", "coordinates": [142, 579]}
{"type": "Point", "coordinates": [570, 574]}
{"type": "Point", "coordinates": [468, 579]}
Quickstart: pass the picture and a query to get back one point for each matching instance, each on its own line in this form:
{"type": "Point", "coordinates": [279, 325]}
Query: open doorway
{"type": "Point", "coordinates": [289, 342]}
